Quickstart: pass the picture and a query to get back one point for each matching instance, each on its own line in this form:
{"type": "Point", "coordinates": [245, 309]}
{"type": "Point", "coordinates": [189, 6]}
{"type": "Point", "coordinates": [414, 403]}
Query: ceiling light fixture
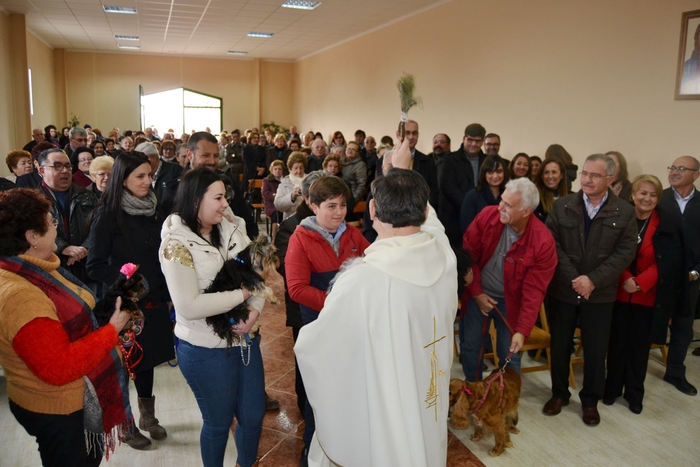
{"type": "Point", "coordinates": [129, 47]}
{"type": "Point", "coordinates": [301, 4]}
{"type": "Point", "coordinates": [119, 9]}
{"type": "Point", "coordinates": [236, 52]}
{"type": "Point", "coordinates": [126, 38]}
{"type": "Point", "coordinates": [260, 34]}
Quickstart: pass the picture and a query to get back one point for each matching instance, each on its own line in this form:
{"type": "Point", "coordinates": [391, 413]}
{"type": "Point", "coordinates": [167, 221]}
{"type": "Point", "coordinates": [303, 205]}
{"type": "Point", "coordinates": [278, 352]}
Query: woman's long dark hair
{"type": "Point", "coordinates": [547, 195]}
{"type": "Point", "coordinates": [520, 155]}
{"type": "Point", "coordinates": [189, 197]}
{"type": "Point", "coordinates": [111, 200]}
{"type": "Point", "coordinates": [491, 164]}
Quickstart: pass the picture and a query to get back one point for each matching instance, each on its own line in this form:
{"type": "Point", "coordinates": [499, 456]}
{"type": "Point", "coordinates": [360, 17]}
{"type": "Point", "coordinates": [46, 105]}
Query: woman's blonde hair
{"type": "Point", "coordinates": [646, 178]}
{"type": "Point", "coordinates": [100, 163]}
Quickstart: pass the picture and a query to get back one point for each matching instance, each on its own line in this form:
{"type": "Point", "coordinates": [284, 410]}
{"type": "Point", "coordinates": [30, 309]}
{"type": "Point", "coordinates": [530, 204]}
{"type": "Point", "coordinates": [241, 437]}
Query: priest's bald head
{"type": "Point", "coordinates": [400, 203]}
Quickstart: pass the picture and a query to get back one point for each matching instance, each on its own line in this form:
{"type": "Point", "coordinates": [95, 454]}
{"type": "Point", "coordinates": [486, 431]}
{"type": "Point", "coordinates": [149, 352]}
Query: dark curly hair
{"type": "Point", "coordinates": [21, 210]}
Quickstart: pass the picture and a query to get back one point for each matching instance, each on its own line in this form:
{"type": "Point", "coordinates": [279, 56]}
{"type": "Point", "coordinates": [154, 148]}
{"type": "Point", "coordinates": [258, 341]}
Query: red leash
{"type": "Point", "coordinates": [496, 376]}
{"type": "Point", "coordinates": [132, 352]}
{"type": "Point", "coordinates": [512, 333]}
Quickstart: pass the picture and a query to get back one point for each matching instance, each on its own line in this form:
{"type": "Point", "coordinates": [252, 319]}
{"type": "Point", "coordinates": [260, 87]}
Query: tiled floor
{"type": "Point", "coordinates": [666, 432]}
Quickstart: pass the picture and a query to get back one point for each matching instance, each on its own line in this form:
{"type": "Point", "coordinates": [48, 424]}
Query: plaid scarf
{"type": "Point", "coordinates": [107, 413]}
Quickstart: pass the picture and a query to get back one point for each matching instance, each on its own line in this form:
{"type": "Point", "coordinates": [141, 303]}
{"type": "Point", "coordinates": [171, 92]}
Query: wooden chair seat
{"type": "Point", "coordinates": [540, 340]}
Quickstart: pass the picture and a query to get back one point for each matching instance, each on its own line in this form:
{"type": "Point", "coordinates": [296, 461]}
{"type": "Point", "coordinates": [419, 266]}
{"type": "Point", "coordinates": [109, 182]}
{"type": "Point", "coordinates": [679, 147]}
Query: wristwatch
{"type": "Point", "coordinates": [695, 275]}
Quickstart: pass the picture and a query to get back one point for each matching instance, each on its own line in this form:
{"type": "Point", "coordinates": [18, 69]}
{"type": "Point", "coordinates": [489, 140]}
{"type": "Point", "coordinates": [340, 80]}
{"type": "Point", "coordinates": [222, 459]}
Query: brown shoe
{"type": "Point", "coordinates": [591, 416]}
{"type": "Point", "coordinates": [137, 441]}
{"type": "Point", "coordinates": [554, 405]}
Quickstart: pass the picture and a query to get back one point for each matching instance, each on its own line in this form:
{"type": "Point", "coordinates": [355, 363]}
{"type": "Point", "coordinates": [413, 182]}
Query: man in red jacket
{"type": "Point", "coordinates": [514, 259]}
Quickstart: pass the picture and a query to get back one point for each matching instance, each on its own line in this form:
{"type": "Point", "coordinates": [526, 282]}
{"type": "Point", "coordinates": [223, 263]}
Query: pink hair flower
{"type": "Point", "coordinates": [128, 270]}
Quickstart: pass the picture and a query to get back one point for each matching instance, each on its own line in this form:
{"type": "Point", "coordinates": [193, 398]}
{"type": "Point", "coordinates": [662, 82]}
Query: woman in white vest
{"type": "Point", "coordinates": [196, 240]}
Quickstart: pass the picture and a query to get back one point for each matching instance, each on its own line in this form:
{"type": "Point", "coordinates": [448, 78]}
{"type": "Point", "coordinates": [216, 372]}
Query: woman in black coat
{"type": "Point", "coordinates": [493, 176]}
{"type": "Point", "coordinates": [126, 229]}
{"type": "Point", "coordinates": [647, 294]}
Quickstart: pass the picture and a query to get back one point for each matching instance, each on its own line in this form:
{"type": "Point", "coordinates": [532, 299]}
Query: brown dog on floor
{"type": "Point", "coordinates": [498, 412]}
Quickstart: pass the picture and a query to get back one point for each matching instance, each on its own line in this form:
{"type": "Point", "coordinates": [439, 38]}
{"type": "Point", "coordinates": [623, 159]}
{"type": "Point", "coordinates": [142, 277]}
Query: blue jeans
{"type": "Point", "coordinates": [223, 387]}
{"type": "Point", "coordinates": [472, 329]}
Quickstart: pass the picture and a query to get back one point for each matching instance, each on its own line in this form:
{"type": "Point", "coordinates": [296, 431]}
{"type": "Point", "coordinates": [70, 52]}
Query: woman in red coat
{"type": "Point", "coordinates": [647, 294]}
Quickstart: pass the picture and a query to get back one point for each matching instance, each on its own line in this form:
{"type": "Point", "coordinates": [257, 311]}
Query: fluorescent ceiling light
{"type": "Point", "coordinates": [126, 38]}
{"type": "Point", "coordinates": [236, 52]}
{"type": "Point", "coordinates": [301, 5]}
{"type": "Point", "coordinates": [259, 34]}
{"type": "Point", "coordinates": [129, 47]}
{"type": "Point", "coordinates": [119, 9]}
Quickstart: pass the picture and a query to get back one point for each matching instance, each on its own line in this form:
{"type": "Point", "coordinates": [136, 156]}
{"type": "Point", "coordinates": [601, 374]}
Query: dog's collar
{"type": "Point", "coordinates": [239, 260]}
{"type": "Point", "coordinates": [467, 390]}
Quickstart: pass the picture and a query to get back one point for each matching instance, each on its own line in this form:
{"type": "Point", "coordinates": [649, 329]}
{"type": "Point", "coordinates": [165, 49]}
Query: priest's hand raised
{"type": "Point", "coordinates": [402, 155]}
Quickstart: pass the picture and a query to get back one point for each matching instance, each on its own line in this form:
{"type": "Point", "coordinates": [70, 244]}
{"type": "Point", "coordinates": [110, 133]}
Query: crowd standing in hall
{"type": "Point", "coordinates": [618, 259]}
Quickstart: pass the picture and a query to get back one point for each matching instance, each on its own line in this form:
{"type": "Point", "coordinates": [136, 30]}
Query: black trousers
{"type": "Point", "coordinates": [628, 352]}
{"type": "Point", "coordinates": [594, 320]}
{"type": "Point", "coordinates": [60, 437]}
{"type": "Point", "coordinates": [681, 337]}
{"type": "Point", "coordinates": [298, 382]}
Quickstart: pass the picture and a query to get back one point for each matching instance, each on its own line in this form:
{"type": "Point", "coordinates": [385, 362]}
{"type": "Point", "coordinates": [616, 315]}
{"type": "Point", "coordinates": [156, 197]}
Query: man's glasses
{"type": "Point", "coordinates": [681, 169]}
{"type": "Point", "coordinates": [84, 160]}
{"type": "Point", "coordinates": [593, 176]}
{"type": "Point", "coordinates": [59, 167]}
{"type": "Point", "coordinates": [81, 140]}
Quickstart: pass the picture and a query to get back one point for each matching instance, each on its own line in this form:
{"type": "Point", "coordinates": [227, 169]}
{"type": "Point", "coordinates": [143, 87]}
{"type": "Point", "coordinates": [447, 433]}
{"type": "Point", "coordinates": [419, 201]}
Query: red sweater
{"type": "Point", "coordinates": [527, 270]}
{"type": "Point", "coordinates": [43, 368]}
{"type": "Point", "coordinates": [311, 263]}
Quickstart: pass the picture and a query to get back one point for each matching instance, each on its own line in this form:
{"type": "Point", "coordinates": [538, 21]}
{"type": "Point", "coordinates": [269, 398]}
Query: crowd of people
{"type": "Point", "coordinates": [618, 259]}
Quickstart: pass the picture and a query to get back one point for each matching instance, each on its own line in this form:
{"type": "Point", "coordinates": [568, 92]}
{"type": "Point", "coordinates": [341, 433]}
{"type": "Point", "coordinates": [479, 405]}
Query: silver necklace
{"type": "Point", "coordinates": [641, 231]}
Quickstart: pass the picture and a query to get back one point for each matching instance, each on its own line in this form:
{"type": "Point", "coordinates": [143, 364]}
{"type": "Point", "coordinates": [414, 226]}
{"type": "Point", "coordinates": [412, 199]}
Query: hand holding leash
{"type": "Point", "coordinates": [517, 342]}
{"type": "Point", "coordinates": [485, 303]}
{"type": "Point", "coordinates": [243, 327]}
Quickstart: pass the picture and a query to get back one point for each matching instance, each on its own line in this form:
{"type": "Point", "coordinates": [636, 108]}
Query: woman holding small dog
{"type": "Point", "coordinates": [49, 342]}
{"type": "Point", "coordinates": [196, 241]}
{"type": "Point", "coordinates": [126, 229]}
{"type": "Point", "coordinates": [647, 294]}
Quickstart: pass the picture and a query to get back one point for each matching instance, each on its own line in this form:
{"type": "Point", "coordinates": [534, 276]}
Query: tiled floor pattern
{"type": "Point", "coordinates": [666, 433]}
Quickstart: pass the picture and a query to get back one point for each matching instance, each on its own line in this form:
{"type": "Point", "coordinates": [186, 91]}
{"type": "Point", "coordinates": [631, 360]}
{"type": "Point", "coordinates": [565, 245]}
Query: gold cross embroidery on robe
{"type": "Point", "coordinates": [434, 388]}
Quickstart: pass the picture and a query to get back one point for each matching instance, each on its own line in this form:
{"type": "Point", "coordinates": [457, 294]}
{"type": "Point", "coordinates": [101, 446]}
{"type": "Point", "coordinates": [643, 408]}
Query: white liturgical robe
{"type": "Point", "coordinates": [376, 363]}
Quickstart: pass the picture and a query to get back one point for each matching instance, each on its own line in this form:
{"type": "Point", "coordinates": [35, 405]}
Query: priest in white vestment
{"type": "Point", "coordinates": [376, 363]}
